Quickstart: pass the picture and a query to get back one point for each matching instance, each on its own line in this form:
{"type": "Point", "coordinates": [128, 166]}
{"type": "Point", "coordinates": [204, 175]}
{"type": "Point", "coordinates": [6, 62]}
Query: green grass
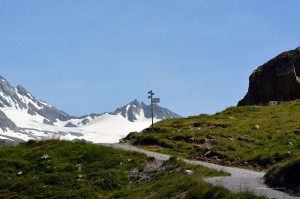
{"type": "Point", "coordinates": [228, 137]}
{"type": "Point", "coordinates": [81, 170]}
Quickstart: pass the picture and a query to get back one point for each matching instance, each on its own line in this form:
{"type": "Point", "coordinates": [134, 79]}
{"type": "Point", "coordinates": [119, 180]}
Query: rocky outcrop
{"type": "Point", "coordinates": [5, 122]}
{"type": "Point", "coordinates": [275, 81]}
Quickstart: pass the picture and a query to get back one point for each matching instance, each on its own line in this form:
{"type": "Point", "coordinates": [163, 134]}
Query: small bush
{"type": "Point", "coordinates": [285, 175]}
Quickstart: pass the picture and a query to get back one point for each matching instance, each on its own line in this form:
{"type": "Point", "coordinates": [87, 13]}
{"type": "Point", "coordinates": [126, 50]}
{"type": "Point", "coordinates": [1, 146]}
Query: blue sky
{"type": "Point", "coordinates": [92, 56]}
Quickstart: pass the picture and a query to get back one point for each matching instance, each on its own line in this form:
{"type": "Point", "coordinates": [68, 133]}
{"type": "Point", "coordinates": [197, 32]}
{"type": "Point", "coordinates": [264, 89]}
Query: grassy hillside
{"type": "Point", "coordinates": [61, 169]}
{"type": "Point", "coordinates": [250, 136]}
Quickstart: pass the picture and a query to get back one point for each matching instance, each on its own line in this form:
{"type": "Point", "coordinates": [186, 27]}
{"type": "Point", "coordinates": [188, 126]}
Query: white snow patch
{"type": "Point", "coordinates": [4, 138]}
{"type": "Point", "coordinates": [21, 118]}
{"type": "Point", "coordinates": [45, 104]}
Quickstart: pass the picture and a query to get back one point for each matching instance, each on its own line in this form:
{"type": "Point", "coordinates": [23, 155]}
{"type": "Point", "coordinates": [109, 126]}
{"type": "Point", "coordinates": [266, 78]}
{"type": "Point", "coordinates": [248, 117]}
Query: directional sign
{"type": "Point", "coordinates": [150, 94]}
{"type": "Point", "coordinates": [153, 101]}
{"type": "Point", "coordinates": [156, 100]}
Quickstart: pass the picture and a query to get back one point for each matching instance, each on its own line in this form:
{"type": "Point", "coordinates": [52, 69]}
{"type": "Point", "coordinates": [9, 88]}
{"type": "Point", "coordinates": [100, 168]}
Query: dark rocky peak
{"type": "Point", "coordinates": [6, 88]}
{"type": "Point", "coordinates": [2, 79]}
{"type": "Point", "coordinates": [20, 98]}
{"type": "Point", "coordinates": [135, 103]}
{"type": "Point", "coordinates": [22, 91]}
{"type": "Point", "coordinates": [275, 81]}
{"type": "Point", "coordinates": [130, 111]}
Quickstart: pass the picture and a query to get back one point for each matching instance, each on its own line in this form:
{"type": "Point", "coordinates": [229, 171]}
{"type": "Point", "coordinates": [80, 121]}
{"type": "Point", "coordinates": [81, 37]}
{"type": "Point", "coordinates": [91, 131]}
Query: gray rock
{"type": "Point", "coordinates": [45, 156]}
{"type": "Point", "coordinates": [276, 81]}
{"type": "Point", "coordinates": [69, 124]}
{"type": "Point", "coordinates": [188, 172]}
{"type": "Point", "coordinates": [5, 122]}
{"type": "Point", "coordinates": [85, 121]}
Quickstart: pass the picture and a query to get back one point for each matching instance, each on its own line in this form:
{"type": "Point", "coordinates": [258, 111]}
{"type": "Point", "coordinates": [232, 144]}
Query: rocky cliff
{"type": "Point", "coordinates": [275, 81]}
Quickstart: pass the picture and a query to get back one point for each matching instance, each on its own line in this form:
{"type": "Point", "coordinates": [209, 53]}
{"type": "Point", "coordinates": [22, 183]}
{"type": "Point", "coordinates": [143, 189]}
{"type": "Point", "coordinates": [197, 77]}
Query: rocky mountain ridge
{"type": "Point", "coordinates": [19, 98]}
{"type": "Point", "coordinates": [135, 108]}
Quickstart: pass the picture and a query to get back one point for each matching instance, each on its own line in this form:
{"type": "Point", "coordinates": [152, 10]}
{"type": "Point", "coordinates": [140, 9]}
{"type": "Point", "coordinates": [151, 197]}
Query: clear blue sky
{"type": "Point", "coordinates": [85, 56]}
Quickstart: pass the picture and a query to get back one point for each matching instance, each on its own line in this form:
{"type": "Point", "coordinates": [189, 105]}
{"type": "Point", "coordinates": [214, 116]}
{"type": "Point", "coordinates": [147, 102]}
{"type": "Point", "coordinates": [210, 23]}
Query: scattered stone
{"type": "Point", "coordinates": [191, 140]}
{"type": "Point", "coordinates": [45, 156]}
{"type": "Point", "coordinates": [210, 137]}
{"type": "Point", "coordinates": [231, 139]}
{"type": "Point", "coordinates": [20, 173]}
{"type": "Point", "coordinates": [290, 143]}
{"type": "Point", "coordinates": [256, 127]}
{"type": "Point", "coordinates": [272, 103]}
{"type": "Point", "coordinates": [188, 172]}
{"type": "Point", "coordinates": [129, 160]}
{"type": "Point", "coordinates": [79, 166]}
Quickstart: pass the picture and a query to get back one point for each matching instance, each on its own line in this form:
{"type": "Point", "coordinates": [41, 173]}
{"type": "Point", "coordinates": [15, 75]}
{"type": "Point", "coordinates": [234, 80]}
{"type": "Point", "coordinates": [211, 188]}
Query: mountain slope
{"type": "Point", "coordinates": [24, 117]}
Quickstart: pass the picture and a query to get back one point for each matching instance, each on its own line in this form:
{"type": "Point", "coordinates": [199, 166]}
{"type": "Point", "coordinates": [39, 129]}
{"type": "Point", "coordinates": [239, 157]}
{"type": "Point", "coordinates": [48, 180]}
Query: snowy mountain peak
{"type": "Point", "coordinates": [18, 98]}
{"type": "Point", "coordinates": [135, 110]}
{"type": "Point", "coordinates": [24, 117]}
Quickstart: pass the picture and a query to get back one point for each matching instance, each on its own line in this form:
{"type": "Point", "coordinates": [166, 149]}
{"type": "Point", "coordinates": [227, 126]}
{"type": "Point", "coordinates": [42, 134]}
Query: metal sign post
{"type": "Point", "coordinates": [153, 101]}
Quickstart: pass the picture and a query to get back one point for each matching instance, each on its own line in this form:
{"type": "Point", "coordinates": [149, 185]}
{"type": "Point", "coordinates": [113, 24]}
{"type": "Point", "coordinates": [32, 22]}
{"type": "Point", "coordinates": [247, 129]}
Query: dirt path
{"type": "Point", "coordinates": [241, 180]}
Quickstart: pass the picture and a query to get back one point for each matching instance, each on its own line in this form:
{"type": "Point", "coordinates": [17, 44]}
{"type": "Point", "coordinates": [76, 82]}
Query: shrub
{"type": "Point", "coordinates": [285, 175]}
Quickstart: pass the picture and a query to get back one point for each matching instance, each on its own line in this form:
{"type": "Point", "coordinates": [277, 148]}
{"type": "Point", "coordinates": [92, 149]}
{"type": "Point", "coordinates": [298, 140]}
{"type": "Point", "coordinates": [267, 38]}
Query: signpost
{"type": "Point", "coordinates": [153, 101]}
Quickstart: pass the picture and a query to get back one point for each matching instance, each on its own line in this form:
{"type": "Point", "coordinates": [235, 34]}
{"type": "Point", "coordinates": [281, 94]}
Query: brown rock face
{"type": "Point", "coordinates": [275, 81]}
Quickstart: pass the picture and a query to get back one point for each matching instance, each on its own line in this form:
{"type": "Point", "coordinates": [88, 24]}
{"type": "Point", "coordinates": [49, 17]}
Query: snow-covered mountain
{"type": "Point", "coordinates": [135, 109]}
{"type": "Point", "coordinates": [23, 117]}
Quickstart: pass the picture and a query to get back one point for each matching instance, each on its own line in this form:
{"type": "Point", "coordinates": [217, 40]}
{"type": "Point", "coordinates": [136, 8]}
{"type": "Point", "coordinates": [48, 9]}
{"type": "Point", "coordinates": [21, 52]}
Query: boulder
{"type": "Point", "coordinates": [276, 81]}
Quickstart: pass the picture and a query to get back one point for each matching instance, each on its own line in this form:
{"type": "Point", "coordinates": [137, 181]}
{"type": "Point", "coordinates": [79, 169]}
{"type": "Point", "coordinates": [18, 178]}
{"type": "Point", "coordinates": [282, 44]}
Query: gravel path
{"type": "Point", "coordinates": [241, 180]}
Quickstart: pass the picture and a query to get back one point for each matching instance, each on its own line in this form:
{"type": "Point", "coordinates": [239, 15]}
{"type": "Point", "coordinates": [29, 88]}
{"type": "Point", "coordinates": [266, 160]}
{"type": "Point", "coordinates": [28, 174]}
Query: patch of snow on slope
{"type": "Point", "coordinates": [45, 104]}
{"type": "Point", "coordinates": [111, 128]}
{"type": "Point", "coordinates": [7, 98]}
{"type": "Point", "coordinates": [21, 118]}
